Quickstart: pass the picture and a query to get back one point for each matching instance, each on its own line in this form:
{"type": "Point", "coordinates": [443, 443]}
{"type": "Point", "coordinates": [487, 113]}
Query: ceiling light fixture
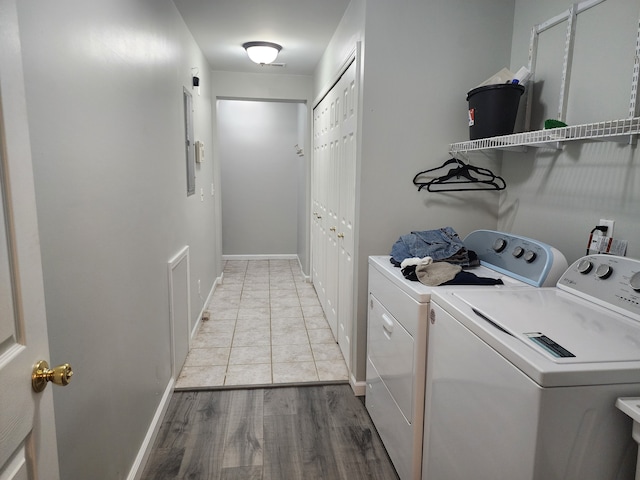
{"type": "Point", "coordinates": [262, 53]}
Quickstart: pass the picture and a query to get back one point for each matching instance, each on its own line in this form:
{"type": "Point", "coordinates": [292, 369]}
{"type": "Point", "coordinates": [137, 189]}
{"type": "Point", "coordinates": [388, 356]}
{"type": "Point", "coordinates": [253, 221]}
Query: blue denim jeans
{"type": "Point", "coordinates": [441, 244]}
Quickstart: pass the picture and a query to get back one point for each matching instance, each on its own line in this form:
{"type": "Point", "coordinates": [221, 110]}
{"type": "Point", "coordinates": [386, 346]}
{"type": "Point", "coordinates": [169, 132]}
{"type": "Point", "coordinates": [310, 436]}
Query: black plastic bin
{"type": "Point", "coordinates": [493, 109]}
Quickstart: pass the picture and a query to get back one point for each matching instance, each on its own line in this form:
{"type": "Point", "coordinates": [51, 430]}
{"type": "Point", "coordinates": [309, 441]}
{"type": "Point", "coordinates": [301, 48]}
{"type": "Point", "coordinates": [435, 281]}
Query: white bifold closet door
{"type": "Point", "coordinates": [333, 203]}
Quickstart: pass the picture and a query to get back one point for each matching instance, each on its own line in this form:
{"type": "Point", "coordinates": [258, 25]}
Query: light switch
{"type": "Point", "coordinates": [199, 152]}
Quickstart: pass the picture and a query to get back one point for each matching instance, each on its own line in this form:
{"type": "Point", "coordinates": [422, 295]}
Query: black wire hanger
{"type": "Point", "coordinates": [458, 175]}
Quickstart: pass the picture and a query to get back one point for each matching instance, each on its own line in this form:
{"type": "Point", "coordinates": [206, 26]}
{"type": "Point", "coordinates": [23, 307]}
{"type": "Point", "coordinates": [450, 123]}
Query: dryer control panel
{"type": "Point", "coordinates": [607, 280]}
{"type": "Point", "coordinates": [525, 259]}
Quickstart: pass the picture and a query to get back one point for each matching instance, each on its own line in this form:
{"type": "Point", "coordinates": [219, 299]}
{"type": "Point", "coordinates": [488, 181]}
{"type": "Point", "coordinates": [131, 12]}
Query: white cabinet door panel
{"type": "Point", "coordinates": [334, 203]}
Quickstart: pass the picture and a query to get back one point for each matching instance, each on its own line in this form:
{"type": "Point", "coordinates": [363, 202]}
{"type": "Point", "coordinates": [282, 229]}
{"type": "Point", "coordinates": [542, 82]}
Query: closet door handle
{"type": "Point", "coordinates": [333, 229]}
{"type": "Point", "coordinates": [387, 325]}
{"type": "Point", "coordinates": [341, 235]}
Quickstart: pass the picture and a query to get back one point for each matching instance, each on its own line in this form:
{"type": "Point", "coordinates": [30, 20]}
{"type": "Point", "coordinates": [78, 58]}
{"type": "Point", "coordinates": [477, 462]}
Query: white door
{"type": "Point", "coordinates": [347, 208]}
{"type": "Point", "coordinates": [332, 191]}
{"type": "Point", "coordinates": [334, 204]}
{"type": "Point", "coordinates": [27, 432]}
{"type": "Point", "coordinates": [325, 205]}
{"type": "Point", "coordinates": [318, 246]}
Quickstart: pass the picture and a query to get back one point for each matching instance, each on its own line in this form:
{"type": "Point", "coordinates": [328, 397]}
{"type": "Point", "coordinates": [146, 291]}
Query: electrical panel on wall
{"type": "Point", "coordinates": [199, 152]}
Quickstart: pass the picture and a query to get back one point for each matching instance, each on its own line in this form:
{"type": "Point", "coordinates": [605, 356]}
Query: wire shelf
{"type": "Point", "coordinates": [553, 138]}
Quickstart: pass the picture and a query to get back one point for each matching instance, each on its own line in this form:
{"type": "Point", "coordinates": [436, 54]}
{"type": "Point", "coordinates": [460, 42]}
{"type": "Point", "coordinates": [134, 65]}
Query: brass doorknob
{"type": "Point", "coordinates": [333, 229]}
{"type": "Point", "coordinates": [60, 375]}
{"type": "Point", "coordinates": [341, 235]}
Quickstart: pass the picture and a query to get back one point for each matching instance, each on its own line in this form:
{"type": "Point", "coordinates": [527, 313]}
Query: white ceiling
{"type": "Point", "coordinates": [302, 27]}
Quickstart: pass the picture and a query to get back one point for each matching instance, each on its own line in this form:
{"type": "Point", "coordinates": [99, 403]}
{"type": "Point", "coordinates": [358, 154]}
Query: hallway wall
{"type": "Point", "coordinates": [104, 84]}
{"type": "Point", "coordinates": [260, 86]}
{"type": "Point", "coordinates": [259, 176]}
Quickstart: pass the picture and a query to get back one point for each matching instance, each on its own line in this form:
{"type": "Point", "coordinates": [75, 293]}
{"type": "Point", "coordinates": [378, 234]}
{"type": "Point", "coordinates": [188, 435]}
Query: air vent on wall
{"type": "Point", "coordinates": [273, 64]}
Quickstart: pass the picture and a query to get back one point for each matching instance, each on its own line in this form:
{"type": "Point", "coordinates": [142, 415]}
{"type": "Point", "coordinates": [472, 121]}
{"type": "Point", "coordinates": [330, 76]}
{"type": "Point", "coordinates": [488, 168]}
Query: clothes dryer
{"type": "Point", "coordinates": [398, 332]}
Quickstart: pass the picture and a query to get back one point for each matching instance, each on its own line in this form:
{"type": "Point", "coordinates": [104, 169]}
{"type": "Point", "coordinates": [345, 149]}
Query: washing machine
{"type": "Point", "coordinates": [398, 330]}
{"type": "Point", "coordinates": [522, 383]}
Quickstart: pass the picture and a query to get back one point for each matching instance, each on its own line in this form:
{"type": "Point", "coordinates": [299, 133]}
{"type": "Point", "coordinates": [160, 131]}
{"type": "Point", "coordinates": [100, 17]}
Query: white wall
{"type": "Point", "coordinates": [104, 85]}
{"type": "Point", "coordinates": [259, 168]}
{"type": "Point", "coordinates": [259, 86]}
{"type": "Point", "coordinates": [420, 59]}
{"type": "Point", "coordinates": [304, 187]}
{"type": "Point", "coordinates": [559, 196]}
{"type": "Point", "coordinates": [343, 42]}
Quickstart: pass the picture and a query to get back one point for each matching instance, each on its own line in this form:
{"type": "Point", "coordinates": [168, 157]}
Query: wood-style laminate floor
{"type": "Point", "coordinates": [287, 433]}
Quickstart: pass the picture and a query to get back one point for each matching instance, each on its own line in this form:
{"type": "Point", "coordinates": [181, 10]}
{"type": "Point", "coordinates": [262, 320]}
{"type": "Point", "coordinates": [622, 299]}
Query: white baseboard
{"type": "Point", "coordinates": [204, 307]}
{"type": "Point", "coordinates": [307, 278]}
{"type": "Point", "coordinates": [284, 256]}
{"type": "Point", "coordinates": [359, 388]}
{"type": "Point", "coordinates": [279, 256]}
{"type": "Point", "coordinates": [147, 444]}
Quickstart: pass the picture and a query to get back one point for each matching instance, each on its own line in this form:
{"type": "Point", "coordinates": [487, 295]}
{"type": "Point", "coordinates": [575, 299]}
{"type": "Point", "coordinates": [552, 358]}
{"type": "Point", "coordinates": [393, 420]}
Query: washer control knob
{"type": "Point", "coordinates": [530, 256]}
{"type": "Point", "coordinates": [604, 271]}
{"type": "Point", "coordinates": [499, 245]}
{"type": "Point", "coordinates": [634, 282]}
{"type": "Point", "coordinates": [518, 252]}
{"type": "Point", "coordinates": [585, 266]}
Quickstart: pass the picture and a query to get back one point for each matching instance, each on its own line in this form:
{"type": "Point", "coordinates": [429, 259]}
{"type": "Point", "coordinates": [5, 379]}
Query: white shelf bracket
{"type": "Point", "coordinates": [568, 60]}
{"type": "Point", "coordinates": [533, 55]}
{"type": "Point", "coordinates": [633, 102]}
{"type": "Point", "coordinates": [568, 16]}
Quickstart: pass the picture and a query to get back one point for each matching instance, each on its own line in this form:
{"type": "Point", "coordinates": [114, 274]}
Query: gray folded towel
{"type": "Point", "coordinates": [437, 273]}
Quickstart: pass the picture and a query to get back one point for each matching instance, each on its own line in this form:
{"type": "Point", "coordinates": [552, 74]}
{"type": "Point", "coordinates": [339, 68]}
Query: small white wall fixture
{"type": "Point", "coordinates": [179, 309]}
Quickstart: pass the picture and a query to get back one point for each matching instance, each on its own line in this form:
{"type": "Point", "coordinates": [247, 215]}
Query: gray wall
{"type": "Point", "coordinates": [304, 187]}
{"type": "Point", "coordinates": [259, 169]}
{"type": "Point", "coordinates": [420, 58]}
{"type": "Point", "coordinates": [260, 86]}
{"type": "Point", "coordinates": [560, 196]}
{"type": "Point", "coordinates": [104, 85]}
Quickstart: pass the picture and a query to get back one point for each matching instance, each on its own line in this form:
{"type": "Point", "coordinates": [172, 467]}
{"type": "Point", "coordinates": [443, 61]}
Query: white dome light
{"type": "Point", "coordinates": [262, 52]}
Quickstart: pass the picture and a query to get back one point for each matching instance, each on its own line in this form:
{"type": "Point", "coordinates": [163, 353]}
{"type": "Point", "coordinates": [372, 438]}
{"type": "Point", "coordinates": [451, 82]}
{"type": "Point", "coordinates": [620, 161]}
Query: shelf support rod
{"type": "Point", "coordinates": [570, 16]}
{"type": "Point", "coordinates": [533, 55]}
{"type": "Point", "coordinates": [633, 102]}
{"type": "Point", "coordinates": [568, 60]}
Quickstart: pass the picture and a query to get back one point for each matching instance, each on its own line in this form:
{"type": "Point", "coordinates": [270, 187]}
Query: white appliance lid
{"type": "Point", "coordinates": [550, 334]}
{"type": "Point", "coordinates": [422, 293]}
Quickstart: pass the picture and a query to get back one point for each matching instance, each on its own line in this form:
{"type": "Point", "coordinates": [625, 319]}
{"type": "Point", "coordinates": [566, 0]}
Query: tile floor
{"type": "Point", "coordinates": [266, 327]}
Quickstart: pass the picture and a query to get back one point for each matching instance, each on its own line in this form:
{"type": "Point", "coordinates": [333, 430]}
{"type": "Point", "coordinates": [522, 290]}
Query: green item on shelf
{"type": "Point", "coordinates": [551, 123]}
